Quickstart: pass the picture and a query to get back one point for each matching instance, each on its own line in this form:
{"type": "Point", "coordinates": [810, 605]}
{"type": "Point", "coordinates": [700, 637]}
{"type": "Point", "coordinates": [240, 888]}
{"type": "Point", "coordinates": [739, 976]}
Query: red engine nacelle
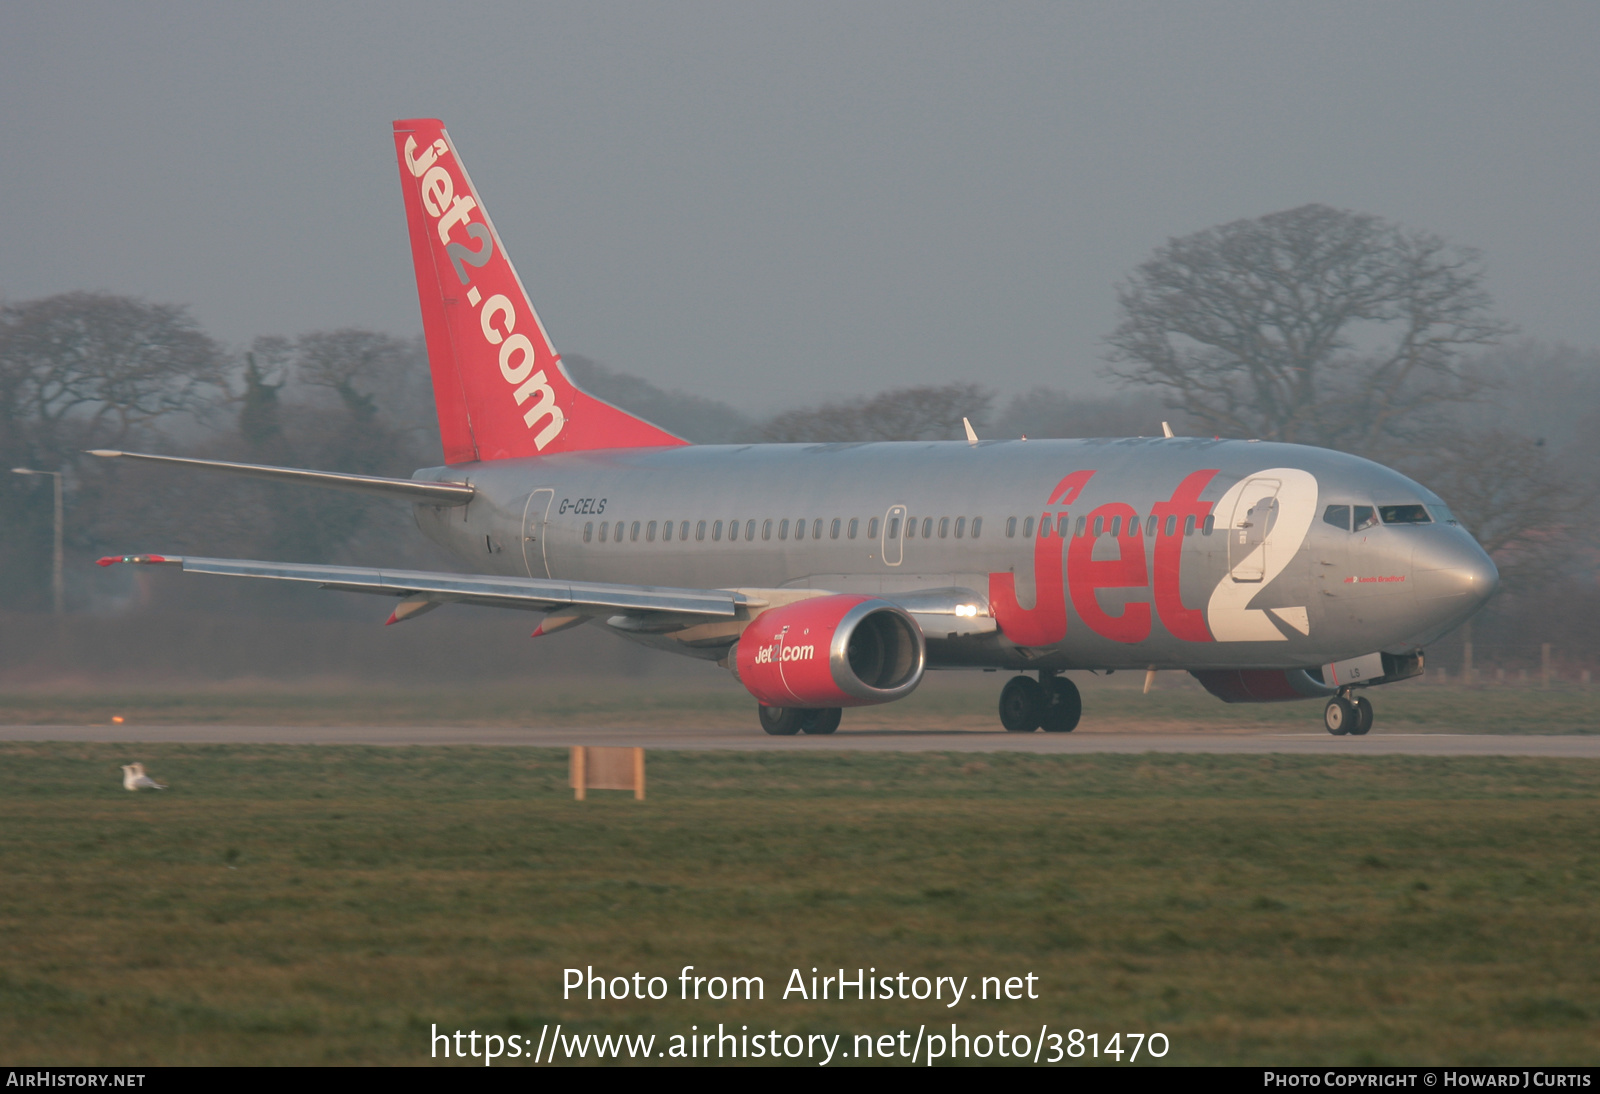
{"type": "Point", "coordinates": [831, 651]}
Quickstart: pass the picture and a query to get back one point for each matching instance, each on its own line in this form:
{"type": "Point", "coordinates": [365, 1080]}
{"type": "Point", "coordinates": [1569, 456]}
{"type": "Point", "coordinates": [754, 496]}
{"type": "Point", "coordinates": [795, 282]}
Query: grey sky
{"type": "Point", "coordinates": [776, 203]}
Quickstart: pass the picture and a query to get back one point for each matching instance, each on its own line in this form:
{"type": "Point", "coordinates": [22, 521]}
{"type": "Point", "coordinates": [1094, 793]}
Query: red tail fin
{"type": "Point", "coordinates": [500, 388]}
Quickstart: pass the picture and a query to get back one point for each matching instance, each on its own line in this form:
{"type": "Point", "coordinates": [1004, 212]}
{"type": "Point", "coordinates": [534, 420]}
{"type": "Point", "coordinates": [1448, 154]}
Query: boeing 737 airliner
{"type": "Point", "coordinates": [826, 576]}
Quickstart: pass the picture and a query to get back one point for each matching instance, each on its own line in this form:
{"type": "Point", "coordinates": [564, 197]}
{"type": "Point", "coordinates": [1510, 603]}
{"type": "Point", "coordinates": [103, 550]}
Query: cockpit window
{"type": "Point", "coordinates": [1404, 514]}
{"type": "Point", "coordinates": [1366, 517]}
{"type": "Point", "coordinates": [1443, 513]}
{"type": "Point", "coordinates": [1338, 516]}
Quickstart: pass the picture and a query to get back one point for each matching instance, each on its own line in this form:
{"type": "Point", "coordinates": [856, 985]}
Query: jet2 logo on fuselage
{"type": "Point", "coordinates": [497, 318]}
{"type": "Point", "coordinates": [1058, 553]}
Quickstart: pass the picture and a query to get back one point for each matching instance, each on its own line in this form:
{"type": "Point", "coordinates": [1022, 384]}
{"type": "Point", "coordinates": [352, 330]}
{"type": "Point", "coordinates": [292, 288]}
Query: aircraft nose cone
{"type": "Point", "coordinates": [1454, 568]}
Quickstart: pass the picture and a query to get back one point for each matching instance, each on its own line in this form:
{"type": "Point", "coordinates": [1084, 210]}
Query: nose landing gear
{"type": "Point", "coordinates": [1051, 703]}
{"type": "Point", "coordinates": [1345, 715]}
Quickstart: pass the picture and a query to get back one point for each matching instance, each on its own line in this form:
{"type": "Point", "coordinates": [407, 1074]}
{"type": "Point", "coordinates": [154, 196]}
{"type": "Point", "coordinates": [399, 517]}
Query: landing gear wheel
{"type": "Point", "coordinates": [1023, 703]}
{"type": "Point", "coordinates": [1363, 721]}
{"type": "Point", "coordinates": [781, 721]}
{"type": "Point", "coordinates": [1066, 706]}
{"type": "Point", "coordinates": [820, 720]}
{"type": "Point", "coordinates": [1339, 715]}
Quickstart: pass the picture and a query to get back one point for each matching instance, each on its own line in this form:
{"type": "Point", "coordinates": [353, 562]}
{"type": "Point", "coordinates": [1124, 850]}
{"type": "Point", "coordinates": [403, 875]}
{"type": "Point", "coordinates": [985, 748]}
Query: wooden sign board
{"type": "Point", "coordinates": [596, 768]}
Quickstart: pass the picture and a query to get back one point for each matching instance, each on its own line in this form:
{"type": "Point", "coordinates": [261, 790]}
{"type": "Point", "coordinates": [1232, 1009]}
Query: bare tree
{"type": "Point", "coordinates": [357, 365]}
{"type": "Point", "coordinates": [113, 362]}
{"type": "Point", "coordinates": [904, 414]}
{"type": "Point", "coordinates": [1313, 325]}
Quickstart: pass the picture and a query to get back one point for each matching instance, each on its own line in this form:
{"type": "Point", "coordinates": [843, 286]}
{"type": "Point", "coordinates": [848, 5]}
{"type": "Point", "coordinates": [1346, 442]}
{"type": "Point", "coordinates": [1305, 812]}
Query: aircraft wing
{"type": "Point", "coordinates": [424, 589]}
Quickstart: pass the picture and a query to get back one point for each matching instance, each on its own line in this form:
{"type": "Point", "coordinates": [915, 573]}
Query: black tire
{"type": "Point", "coordinates": [1363, 721]}
{"type": "Point", "coordinates": [1339, 715]}
{"type": "Point", "coordinates": [821, 720]}
{"type": "Point", "coordinates": [1022, 704]}
{"type": "Point", "coordinates": [1066, 706]}
{"type": "Point", "coordinates": [781, 721]}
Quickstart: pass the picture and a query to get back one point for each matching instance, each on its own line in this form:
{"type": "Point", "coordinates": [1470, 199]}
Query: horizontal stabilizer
{"type": "Point", "coordinates": [435, 493]}
{"type": "Point", "coordinates": [536, 594]}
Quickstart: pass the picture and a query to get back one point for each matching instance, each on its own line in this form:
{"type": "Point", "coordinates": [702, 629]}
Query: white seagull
{"type": "Point", "coordinates": [134, 778]}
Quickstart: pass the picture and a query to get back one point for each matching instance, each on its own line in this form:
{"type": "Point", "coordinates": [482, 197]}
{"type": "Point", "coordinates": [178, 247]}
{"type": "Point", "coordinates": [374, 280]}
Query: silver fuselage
{"type": "Point", "coordinates": [1276, 585]}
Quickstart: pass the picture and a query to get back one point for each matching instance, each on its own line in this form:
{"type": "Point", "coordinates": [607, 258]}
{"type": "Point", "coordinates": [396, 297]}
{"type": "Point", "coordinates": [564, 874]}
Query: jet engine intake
{"type": "Point", "coordinates": [830, 651]}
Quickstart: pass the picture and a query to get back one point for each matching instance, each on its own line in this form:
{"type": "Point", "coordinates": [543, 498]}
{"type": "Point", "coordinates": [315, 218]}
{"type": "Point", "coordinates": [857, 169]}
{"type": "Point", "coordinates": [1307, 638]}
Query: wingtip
{"type": "Point", "coordinates": [138, 560]}
{"type": "Point", "coordinates": [105, 453]}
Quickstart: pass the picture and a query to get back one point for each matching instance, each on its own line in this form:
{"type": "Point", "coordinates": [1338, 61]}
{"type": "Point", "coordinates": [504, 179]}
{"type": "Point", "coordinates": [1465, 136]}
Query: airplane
{"type": "Point", "coordinates": [827, 576]}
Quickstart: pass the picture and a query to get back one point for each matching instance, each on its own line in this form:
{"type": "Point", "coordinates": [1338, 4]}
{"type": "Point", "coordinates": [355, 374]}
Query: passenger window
{"type": "Point", "coordinates": [872, 528]}
{"type": "Point", "coordinates": [816, 528]}
{"type": "Point", "coordinates": [683, 530]}
{"type": "Point", "coordinates": [1061, 525]}
{"type": "Point", "coordinates": [603, 525]}
{"type": "Point", "coordinates": [650, 532]}
{"type": "Point", "coordinates": [1338, 516]}
{"type": "Point", "coordinates": [783, 529]}
{"type": "Point", "coordinates": [894, 527]}
{"type": "Point", "coordinates": [911, 527]}
{"type": "Point", "coordinates": [1083, 523]}
{"type": "Point", "coordinates": [1172, 524]}
{"type": "Point", "coordinates": [766, 529]}
{"type": "Point", "coordinates": [1366, 517]}
{"type": "Point", "coordinates": [961, 527]}
{"type": "Point", "coordinates": [666, 531]}
{"type": "Point", "coordinates": [1188, 525]}
{"type": "Point", "coordinates": [800, 528]}
{"type": "Point", "coordinates": [1116, 526]}
{"type": "Point", "coordinates": [700, 531]}
{"type": "Point", "coordinates": [749, 530]}
{"type": "Point", "coordinates": [977, 526]}
{"type": "Point", "coordinates": [1404, 514]}
{"type": "Point", "coordinates": [1099, 526]}
{"type": "Point", "coordinates": [633, 533]}
{"type": "Point", "coordinates": [944, 527]}
{"type": "Point", "coordinates": [1150, 527]}
{"type": "Point", "coordinates": [1044, 527]}
{"type": "Point", "coordinates": [716, 531]}
{"type": "Point", "coordinates": [1027, 528]}
{"type": "Point", "coordinates": [1011, 527]}
{"type": "Point", "coordinates": [833, 530]}
{"type": "Point", "coordinates": [1211, 522]}
{"type": "Point", "coordinates": [588, 531]}
{"type": "Point", "coordinates": [854, 522]}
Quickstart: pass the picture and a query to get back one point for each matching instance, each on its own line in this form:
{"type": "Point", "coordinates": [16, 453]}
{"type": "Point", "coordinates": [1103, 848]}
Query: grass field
{"type": "Point", "coordinates": [945, 701]}
{"type": "Point", "coordinates": [328, 905]}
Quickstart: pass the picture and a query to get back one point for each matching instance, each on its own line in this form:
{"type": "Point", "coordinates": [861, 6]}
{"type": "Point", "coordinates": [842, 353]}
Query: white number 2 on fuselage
{"type": "Point", "coordinates": [1259, 549]}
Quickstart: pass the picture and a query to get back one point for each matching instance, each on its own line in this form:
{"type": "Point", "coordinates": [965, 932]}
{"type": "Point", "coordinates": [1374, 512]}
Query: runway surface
{"type": "Point", "coordinates": [1317, 744]}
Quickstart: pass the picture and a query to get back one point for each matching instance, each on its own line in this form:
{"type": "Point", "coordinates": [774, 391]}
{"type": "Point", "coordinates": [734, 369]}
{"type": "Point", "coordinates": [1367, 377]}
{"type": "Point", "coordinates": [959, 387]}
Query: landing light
{"type": "Point", "coordinates": [966, 609]}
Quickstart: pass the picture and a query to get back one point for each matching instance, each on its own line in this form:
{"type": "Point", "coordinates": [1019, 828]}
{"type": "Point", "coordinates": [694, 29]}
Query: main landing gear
{"type": "Point", "coordinates": [787, 721]}
{"type": "Point", "coordinates": [1051, 703]}
{"type": "Point", "coordinates": [1345, 715]}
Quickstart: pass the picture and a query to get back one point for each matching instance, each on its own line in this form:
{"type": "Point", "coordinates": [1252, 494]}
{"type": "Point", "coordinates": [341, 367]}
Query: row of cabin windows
{"type": "Point", "coordinates": [926, 527]}
{"type": "Point", "coordinates": [803, 528]}
{"type": "Point", "coordinates": [1100, 526]}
